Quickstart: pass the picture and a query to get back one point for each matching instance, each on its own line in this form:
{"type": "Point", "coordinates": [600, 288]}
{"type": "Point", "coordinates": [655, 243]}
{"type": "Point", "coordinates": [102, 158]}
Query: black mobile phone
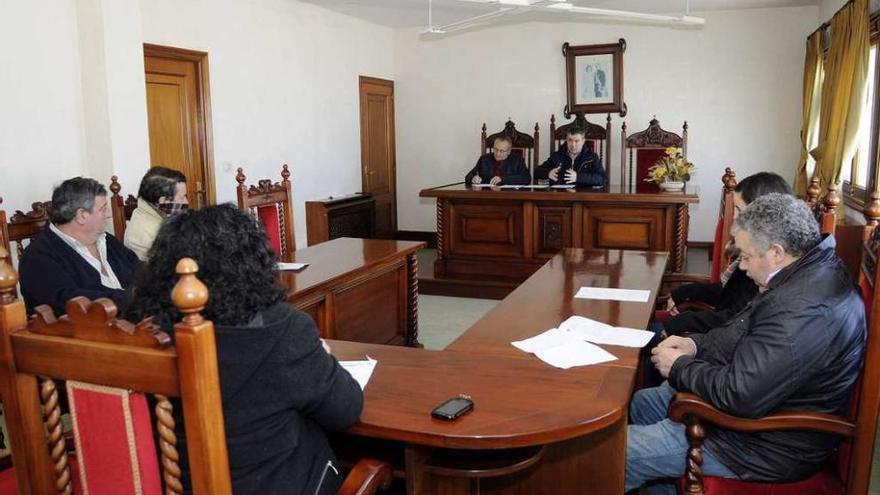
{"type": "Point", "coordinates": [453, 408]}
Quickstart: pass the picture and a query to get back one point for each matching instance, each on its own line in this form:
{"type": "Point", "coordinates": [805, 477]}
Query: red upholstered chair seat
{"type": "Point", "coordinates": [644, 159]}
{"type": "Point", "coordinates": [824, 482]}
{"type": "Point", "coordinates": [717, 247]}
{"type": "Point", "coordinates": [269, 217]}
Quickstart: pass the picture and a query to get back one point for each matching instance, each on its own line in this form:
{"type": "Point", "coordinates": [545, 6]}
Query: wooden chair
{"type": "Point", "coordinates": [121, 210]}
{"type": "Point", "coordinates": [825, 210]}
{"type": "Point", "coordinates": [122, 358]}
{"type": "Point", "coordinates": [4, 230]}
{"type": "Point", "coordinates": [524, 145]}
{"type": "Point", "coordinates": [270, 203]}
{"type": "Point", "coordinates": [598, 138]}
{"type": "Point", "coordinates": [850, 468]}
{"type": "Point", "coordinates": [643, 149]}
{"type": "Point", "coordinates": [23, 227]}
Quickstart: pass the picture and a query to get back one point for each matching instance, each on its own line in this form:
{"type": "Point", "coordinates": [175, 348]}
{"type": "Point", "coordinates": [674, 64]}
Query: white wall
{"type": "Point", "coordinates": [737, 82]}
{"type": "Point", "coordinates": [284, 88]}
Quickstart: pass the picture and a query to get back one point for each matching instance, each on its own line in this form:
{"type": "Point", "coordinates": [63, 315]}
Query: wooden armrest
{"type": "Point", "coordinates": [367, 476]}
{"type": "Point", "coordinates": [686, 404]}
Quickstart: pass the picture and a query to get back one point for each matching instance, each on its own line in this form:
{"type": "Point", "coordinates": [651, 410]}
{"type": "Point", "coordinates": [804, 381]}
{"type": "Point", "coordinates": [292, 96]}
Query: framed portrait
{"type": "Point", "coordinates": [594, 78]}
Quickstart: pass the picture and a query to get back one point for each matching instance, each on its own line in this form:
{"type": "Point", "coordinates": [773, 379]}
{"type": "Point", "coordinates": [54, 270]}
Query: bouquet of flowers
{"type": "Point", "coordinates": [671, 167]}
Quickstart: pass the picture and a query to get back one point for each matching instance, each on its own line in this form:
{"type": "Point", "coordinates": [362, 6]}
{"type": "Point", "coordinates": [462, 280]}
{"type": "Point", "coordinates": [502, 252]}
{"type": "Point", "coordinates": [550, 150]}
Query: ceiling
{"type": "Point", "coordinates": [414, 13]}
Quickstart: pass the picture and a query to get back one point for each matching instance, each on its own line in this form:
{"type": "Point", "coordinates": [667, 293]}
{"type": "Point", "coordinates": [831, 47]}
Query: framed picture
{"type": "Point", "coordinates": [594, 78]}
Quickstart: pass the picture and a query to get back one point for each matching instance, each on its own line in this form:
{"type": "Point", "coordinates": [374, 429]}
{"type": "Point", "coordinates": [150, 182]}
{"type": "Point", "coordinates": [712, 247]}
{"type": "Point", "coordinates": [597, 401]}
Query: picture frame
{"type": "Point", "coordinates": [594, 78]}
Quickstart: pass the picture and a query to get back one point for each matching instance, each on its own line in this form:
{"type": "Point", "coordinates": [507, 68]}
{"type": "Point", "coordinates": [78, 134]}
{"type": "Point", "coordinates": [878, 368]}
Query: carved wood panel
{"type": "Point", "coordinates": [486, 229]}
{"type": "Point", "coordinates": [553, 230]}
{"type": "Point", "coordinates": [374, 309]}
{"type": "Point", "coordinates": [622, 227]}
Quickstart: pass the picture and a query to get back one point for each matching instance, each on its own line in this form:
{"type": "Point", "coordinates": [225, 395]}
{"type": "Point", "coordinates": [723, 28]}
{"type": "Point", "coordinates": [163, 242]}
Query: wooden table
{"type": "Point", "coordinates": [363, 290]}
{"type": "Point", "coordinates": [535, 429]}
{"type": "Point", "coordinates": [506, 234]}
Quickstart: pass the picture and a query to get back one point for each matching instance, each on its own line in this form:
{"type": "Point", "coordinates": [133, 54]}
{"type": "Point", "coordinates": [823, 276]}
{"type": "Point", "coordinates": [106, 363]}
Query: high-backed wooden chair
{"type": "Point", "coordinates": [825, 210]}
{"type": "Point", "coordinates": [270, 203]}
{"type": "Point", "coordinates": [524, 145]}
{"type": "Point", "coordinates": [115, 448]}
{"type": "Point", "coordinates": [598, 138]}
{"type": "Point", "coordinates": [849, 470]}
{"type": "Point", "coordinates": [121, 210]}
{"type": "Point", "coordinates": [640, 151]}
{"type": "Point", "coordinates": [23, 227]}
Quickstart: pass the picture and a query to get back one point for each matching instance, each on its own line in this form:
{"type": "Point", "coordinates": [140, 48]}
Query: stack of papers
{"type": "Point", "coordinates": [627, 295]}
{"type": "Point", "coordinates": [600, 333]}
{"type": "Point", "coordinates": [291, 266]}
{"type": "Point", "coordinates": [361, 371]}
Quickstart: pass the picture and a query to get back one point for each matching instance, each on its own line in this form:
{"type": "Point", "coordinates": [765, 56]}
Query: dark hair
{"type": "Point", "coordinates": [159, 182]}
{"type": "Point", "coordinates": [576, 129]}
{"type": "Point", "coordinates": [760, 184]}
{"type": "Point", "coordinates": [235, 262]}
{"type": "Point", "coordinates": [73, 194]}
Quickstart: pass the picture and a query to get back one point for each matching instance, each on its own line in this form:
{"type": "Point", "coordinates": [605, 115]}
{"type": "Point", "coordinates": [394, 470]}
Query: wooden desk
{"type": "Point", "coordinates": [575, 420]}
{"type": "Point", "coordinates": [363, 290]}
{"type": "Point", "coordinates": [507, 234]}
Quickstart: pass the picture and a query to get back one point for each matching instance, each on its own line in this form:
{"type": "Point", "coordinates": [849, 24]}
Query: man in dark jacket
{"type": "Point", "coordinates": [499, 167]}
{"type": "Point", "coordinates": [74, 256]}
{"type": "Point", "coordinates": [576, 164]}
{"type": "Point", "coordinates": [797, 346]}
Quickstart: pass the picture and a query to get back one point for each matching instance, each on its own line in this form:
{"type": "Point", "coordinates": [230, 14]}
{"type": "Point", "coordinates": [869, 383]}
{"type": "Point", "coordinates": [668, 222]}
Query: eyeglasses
{"type": "Point", "coordinates": [501, 152]}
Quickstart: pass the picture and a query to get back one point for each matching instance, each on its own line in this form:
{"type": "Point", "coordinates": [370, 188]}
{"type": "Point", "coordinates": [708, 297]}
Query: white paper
{"type": "Point", "coordinates": [482, 184]}
{"type": "Point", "coordinates": [551, 338]}
{"type": "Point", "coordinates": [600, 333]}
{"type": "Point", "coordinates": [291, 266]}
{"type": "Point", "coordinates": [627, 295]}
{"type": "Point", "coordinates": [361, 371]}
{"type": "Point", "coordinates": [576, 353]}
{"type": "Point", "coordinates": [562, 186]}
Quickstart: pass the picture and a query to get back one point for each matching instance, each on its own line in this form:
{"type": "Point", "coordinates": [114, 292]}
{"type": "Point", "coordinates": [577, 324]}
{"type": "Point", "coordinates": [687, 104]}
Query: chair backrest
{"type": "Point", "coordinates": [825, 210]}
{"type": "Point", "coordinates": [270, 203]}
{"type": "Point", "coordinates": [598, 138]}
{"type": "Point", "coordinates": [524, 145]}
{"type": "Point", "coordinates": [115, 449]}
{"type": "Point", "coordinates": [4, 230]}
{"type": "Point", "coordinates": [723, 237]}
{"type": "Point", "coordinates": [23, 227]}
{"type": "Point", "coordinates": [121, 210]}
{"type": "Point", "coordinates": [642, 150]}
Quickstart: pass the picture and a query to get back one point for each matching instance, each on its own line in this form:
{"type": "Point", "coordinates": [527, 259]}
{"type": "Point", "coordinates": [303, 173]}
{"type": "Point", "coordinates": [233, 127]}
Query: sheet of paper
{"type": "Point", "coordinates": [361, 371]}
{"type": "Point", "coordinates": [576, 353]}
{"type": "Point", "coordinates": [627, 295]}
{"type": "Point", "coordinates": [482, 184]}
{"type": "Point", "coordinates": [551, 338]}
{"type": "Point", "coordinates": [600, 333]}
{"type": "Point", "coordinates": [562, 186]}
{"type": "Point", "coordinates": [291, 266]}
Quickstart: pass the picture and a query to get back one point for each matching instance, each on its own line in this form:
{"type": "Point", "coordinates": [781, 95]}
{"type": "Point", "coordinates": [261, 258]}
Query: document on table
{"type": "Point", "coordinates": [283, 266]}
{"type": "Point", "coordinates": [482, 184]}
{"type": "Point", "coordinates": [561, 349]}
{"type": "Point", "coordinates": [523, 186]}
{"type": "Point", "coordinates": [626, 295]}
{"type": "Point", "coordinates": [600, 333]}
{"type": "Point", "coordinates": [562, 186]}
{"type": "Point", "coordinates": [361, 371]}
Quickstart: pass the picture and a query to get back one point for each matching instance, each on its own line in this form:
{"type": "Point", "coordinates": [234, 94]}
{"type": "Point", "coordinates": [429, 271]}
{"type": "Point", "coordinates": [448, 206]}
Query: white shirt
{"type": "Point", "coordinates": [109, 279]}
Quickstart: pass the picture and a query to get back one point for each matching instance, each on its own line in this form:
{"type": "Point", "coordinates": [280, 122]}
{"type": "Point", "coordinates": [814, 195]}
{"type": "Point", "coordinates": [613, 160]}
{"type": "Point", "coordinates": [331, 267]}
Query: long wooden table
{"type": "Point", "coordinates": [506, 234]}
{"type": "Point", "coordinates": [535, 429]}
{"type": "Point", "coordinates": [363, 290]}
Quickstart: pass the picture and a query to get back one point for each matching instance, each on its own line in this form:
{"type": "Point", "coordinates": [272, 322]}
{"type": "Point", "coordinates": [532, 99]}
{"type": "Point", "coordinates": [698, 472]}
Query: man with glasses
{"type": "Point", "coordinates": [499, 167]}
{"type": "Point", "coordinates": [75, 256]}
{"type": "Point", "coordinates": [574, 163]}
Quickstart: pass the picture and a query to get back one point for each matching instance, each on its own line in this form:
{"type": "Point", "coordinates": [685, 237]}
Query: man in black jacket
{"type": "Point", "coordinates": [797, 346]}
{"type": "Point", "coordinates": [576, 164]}
{"type": "Point", "coordinates": [499, 167]}
{"type": "Point", "coordinates": [74, 256]}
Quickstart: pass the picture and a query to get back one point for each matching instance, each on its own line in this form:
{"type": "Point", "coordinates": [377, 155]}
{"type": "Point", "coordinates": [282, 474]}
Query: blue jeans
{"type": "Point", "coordinates": [656, 446]}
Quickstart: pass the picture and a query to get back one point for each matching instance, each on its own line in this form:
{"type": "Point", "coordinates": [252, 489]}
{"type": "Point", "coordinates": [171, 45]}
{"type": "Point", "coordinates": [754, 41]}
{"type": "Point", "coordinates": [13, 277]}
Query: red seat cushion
{"type": "Point", "coordinates": [717, 250]}
{"type": "Point", "coordinates": [821, 483]}
{"type": "Point", "coordinates": [661, 316]}
{"type": "Point", "coordinates": [271, 221]}
{"type": "Point", "coordinates": [644, 159]}
{"type": "Point", "coordinates": [9, 484]}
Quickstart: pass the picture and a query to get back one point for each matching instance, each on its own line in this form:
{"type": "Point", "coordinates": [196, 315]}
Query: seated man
{"type": "Point", "coordinates": [162, 193]}
{"type": "Point", "coordinates": [74, 256]}
{"type": "Point", "coordinates": [499, 167]}
{"type": "Point", "coordinates": [576, 164]}
{"type": "Point", "coordinates": [797, 346]}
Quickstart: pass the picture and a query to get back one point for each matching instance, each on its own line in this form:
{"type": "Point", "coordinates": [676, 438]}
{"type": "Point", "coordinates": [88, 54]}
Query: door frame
{"type": "Point", "coordinates": [203, 108]}
{"type": "Point", "coordinates": [393, 179]}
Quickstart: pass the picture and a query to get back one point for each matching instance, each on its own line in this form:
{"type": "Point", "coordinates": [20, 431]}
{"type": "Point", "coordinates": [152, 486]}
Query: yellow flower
{"type": "Point", "coordinates": [671, 151]}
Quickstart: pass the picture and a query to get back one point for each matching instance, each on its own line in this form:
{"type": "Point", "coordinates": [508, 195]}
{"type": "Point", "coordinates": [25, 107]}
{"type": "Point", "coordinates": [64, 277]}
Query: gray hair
{"type": "Point", "coordinates": [73, 194]}
{"type": "Point", "coordinates": [779, 219]}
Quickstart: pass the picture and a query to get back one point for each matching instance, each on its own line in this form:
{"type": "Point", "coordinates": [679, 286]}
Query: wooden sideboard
{"type": "Point", "coordinates": [344, 216]}
{"type": "Point", "coordinates": [363, 290]}
{"type": "Point", "coordinates": [535, 429]}
{"type": "Point", "coordinates": [507, 234]}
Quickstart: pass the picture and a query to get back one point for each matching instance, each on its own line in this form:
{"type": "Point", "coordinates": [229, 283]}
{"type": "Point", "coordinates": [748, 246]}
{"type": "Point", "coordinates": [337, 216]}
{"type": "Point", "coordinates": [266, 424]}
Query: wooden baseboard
{"type": "Point", "coordinates": [700, 244]}
{"type": "Point", "coordinates": [430, 238]}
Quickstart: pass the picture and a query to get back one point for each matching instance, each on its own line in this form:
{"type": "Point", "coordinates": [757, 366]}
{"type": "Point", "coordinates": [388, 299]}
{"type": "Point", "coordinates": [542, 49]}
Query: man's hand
{"type": "Point", "coordinates": [495, 180]}
{"type": "Point", "coordinates": [553, 174]}
{"type": "Point", "coordinates": [670, 306]}
{"type": "Point", "coordinates": [571, 176]}
{"type": "Point", "coordinates": [666, 352]}
{"type": "Point", "coordinates": [477, 180]}
{"type": "Point", "coordinates": [326, 346]}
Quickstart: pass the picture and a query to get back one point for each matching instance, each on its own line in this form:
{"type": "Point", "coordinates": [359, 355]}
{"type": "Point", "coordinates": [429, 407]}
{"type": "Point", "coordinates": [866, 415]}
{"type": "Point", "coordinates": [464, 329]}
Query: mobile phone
{"type": "Point", "coordinates": [453, 408]}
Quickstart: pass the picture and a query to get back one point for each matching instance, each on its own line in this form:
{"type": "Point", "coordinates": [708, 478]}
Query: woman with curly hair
{"type": "Point", "coordinates": [280, 387]}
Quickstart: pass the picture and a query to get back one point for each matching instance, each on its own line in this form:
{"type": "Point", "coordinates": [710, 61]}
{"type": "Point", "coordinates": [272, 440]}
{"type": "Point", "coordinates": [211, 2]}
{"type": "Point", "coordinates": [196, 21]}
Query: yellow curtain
{"type": "Point", "coordinates": [812, 101]}
{"type": "Point", "coordinates": [843, 91]}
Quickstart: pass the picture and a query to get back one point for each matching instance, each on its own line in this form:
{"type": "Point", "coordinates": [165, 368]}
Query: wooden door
{"type": "Point", "coordinates": [178, 114]}
{"type": "Point", "coordinates": [377, 151]}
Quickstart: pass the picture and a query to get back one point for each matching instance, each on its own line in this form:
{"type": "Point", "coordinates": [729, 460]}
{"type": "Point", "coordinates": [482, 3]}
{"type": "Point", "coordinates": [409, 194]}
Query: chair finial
{"type": "Point", "coordinates": [189, 294]}
{"type": "Point", "coordinates": [552, 120]}
{"type": "Point", "coordinates": [685, 126]}
{"type": "Point", "coordinates": [872, 209]}
{"type": "Point", "coordinates": [285, 173]}
{"type": "Point", "coordinates": [239, 177]}
{"type": "Point", "coordinates": [114, 185]}
{"type": "Point", "coordinates": [813, 190]}
{"type": "Point", "coordinates": [831, 200]}
{"type": "Point", "coordinates": [8, 278]}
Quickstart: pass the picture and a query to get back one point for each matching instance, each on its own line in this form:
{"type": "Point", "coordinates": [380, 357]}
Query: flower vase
{"type": "Point", "coordinates": [672, 185]}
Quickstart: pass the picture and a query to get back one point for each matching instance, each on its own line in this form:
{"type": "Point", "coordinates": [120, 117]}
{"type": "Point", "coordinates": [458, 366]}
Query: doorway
{"type": "Point", "coordinates": [377, 151]}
